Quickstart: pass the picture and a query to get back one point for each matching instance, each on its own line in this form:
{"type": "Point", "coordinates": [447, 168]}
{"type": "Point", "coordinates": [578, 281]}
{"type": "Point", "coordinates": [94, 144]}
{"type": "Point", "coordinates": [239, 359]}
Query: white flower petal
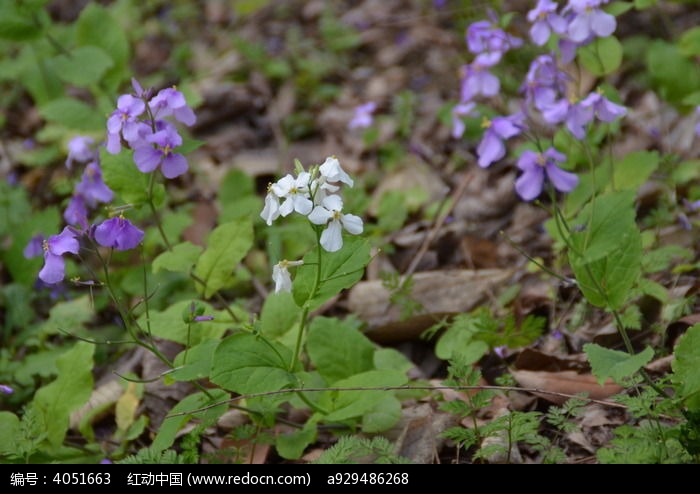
{"type": "Point", "coordinates": [282, 279]}
{"type": "Point", "coordinates": [302, 205]}
{"type": "Point", "coordinates": [320, 215]}
{"type": "Point", "coordinates": [332, 171]}
{"type": "Point", "coordinates": [331, 238]}
{"type": "Point", "coordinates": [333, 203]}
{"type": "Point", "coordinates": [352, 223]}
{"type": "Point", "coordinates": [271, 211]}
{"type": "Point", "coordinates": [287, 206]}
{"type": "Point", "coordinates": [283, 186]}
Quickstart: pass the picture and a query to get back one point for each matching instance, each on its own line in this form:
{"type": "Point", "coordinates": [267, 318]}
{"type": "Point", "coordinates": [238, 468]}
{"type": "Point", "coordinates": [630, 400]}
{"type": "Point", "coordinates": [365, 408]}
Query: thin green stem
{"type": "Point", "coordinates": [154, 211]}
{"type": "Point", "coordinates": [312, 295]}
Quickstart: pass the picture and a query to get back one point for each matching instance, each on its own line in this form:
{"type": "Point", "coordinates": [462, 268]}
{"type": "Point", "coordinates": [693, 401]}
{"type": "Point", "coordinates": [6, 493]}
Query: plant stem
{"type": "Point", "coordinates": [305, 313]}
{"type": "Point", "coordinates": [154, 211]}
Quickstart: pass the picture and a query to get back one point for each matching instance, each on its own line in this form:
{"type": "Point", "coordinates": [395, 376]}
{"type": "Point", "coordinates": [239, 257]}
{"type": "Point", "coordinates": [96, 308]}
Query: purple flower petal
{"type": "Point", "coordinates": [602, 23]}
{"type": "Point", "coordinates": [147, 158]}
{"type": "Point", "coordinates": [63, 243]}
{"type": "Point", "coordinates": [529, 184]}
{"type": "Point", "coordinates": [35, 247]}
{"type": "Point", "coordinates": [53, 270]}
{"type": "Point", "coordinates": [174, 165]}
{"type": "Point", "coordinates": [562, 180]}
{"type": "Point", "coordinates": [118, 233]}
{"type": "Point", "coordinates": [490, 149]}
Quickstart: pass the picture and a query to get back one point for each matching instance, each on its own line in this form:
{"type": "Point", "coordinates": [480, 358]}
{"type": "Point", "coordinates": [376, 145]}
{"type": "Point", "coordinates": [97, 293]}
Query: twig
{"type": "Point", "coordinates": [458, 192]}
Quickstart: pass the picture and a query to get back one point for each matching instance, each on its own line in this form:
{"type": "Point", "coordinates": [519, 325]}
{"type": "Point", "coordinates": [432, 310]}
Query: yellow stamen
{"type": "Point", "coordinates": [485, 123]}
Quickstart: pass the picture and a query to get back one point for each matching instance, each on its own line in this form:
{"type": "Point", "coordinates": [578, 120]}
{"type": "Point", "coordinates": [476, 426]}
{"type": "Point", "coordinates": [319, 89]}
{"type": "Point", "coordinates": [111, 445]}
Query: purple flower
{"type": "Point", "coordinates": [81, 149]}
{"type": "Point", "coordinates": [544, 82]}
{"type": "Point", "coordinates": [105, 461]}
{"type": "Point", "coordinates": [203, 318]}
{"type": "Point", "coordinates": [501, 351]}
{"type": "Point", "coordinates": [459, 111]}
{"type": "Point", "coordinates": [483, 36]}
{"type": "Point", "coordinates": [545, 20]}
{"type": "Point", "coordinates": [76, 212]}
{"type": "Point", "coordinates": [148, 158]}
{"type": "Point", "coordinates": [54, 248]}
{"type": "Point", "coordinates": [697, 125]}
{"type": "Point", "coordinates": [118, 233]}
{"type": "Point", "coordinates": [589, 20]}
{"type": "Point", "coordinates": [35, 247]}
{"type": "Point", "coordinates": [363, 116]}
{"type": "Point", "coordinates": [535, 166]}
{"type": "Point", "coordinates": [476, 78]}
{"type": "Point", "coordinates": [574, 114]}
{"type": "Point", "coordinates": [6, 390]}
{"type": "Point", "coordinates": [92, 188]}
{"type": "Point", "coordinates": [170, 101]}
{"type": "Point", "coordinates": [604, 109]}
{"type": "Point", "coordinates": [123, 122]}
{"type": "Point", "coordinates": [491, 147]}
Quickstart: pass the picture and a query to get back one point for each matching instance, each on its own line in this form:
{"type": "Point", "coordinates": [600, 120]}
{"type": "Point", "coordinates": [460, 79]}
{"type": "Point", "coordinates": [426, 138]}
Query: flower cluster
{"type": "Point", "coordinates": [311, 194]}
{"type": "Point", "coordinates": [547, 89]}
{"type": "Point", "coordinates": [139, 122]}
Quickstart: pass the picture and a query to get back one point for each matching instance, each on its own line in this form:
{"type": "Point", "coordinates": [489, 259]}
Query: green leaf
{"type": "Point", "coordinates": [237, 197]}
{"type": "Point", "coordinates": [179, 260]}
{"type": "Point", "coordinates": [168, 324]}
{"type": "Point", "coordinates": [686, 171]}
{"type": "Point", "coordinates": [121, 175]}
{"type": "Point", "coordinates": [340, 270]}
{"type": "Point", "coordinates": [634, 169]}
{"type": "Point", "coordinates": [607, 282]}
{"type": "Point", "coordinates": [685, 368]}
{"type": "Point", "coordinates": [601, 57]}
{"type": "Point", "coordinates": [71, 389]}
{"type": "Point", "coordinates": [672, 74]}
{"type": "Point", "coordinates": [279, 314]}
{"type": "Point", "coordinates": [69, 316]}
{"type": "Point", "coordinates": [291, 446]}
{"type": "Point", "coordinates": [689, 44]}
{"type": "Point", "coordinates": [84, 66]}
{"type": "Point", "coordinates": [247, 364]}
{"type": "Point", "coordinates": [603, 223]}
{"type": "Point", "coordinates": [198, 365]}
{"type": "Point", "coordinates": [383, 416]}
{"type": "Point", "coordinates": [606, 363]}
{"type": "Point", "coordinates": [97, 27]}
{"type": "Point", "coordinates": [226, 246]}
{"type": "Point", "coordinates": [607, 249]}
{"type": "Point", "coordinates": [653, 289]}
{"type": "Point", "coordinates": [391, 359]}
{"type": "Point", "coordinates": [337, 349]}
{"type": "Point", "coordinates": [644, 4]}
{"type": "Point", "coordinates": [72, 113]}
{"type": "Point", "coordinates": [618, 8]}
{"type": "Point", "coordinates": [168, 430]}
{"type": "Point", "coordinates": [16, 23]}
{"type": "Point", "coordinates": [344, 405]}
{"type": "Point", "coordinates": [9, 427]}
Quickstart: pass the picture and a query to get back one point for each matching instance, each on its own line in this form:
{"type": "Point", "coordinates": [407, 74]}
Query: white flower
{"type": "Point", "coordinates": [271, 211]}
{"type": "Point", "coordinates": [295, 192]}
{"type": "Point", "coordinates": [332, 172]}
{"type": "Point", "coordinates": [281, 277]}
{"type": "Point", "coordinates": [329, 212]}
